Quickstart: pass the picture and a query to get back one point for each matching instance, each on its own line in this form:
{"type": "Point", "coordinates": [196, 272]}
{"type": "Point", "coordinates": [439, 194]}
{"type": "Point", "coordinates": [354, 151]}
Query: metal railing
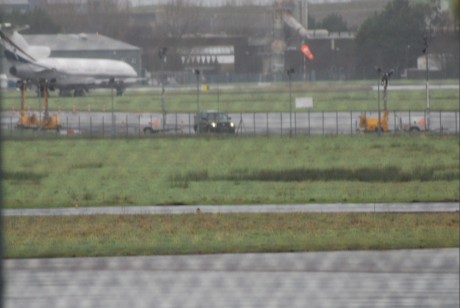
{"type": "Point", "coordinates": [102, 124]}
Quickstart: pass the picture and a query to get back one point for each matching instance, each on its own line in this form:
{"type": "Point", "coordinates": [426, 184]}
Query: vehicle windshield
{"type": "Point", "coordinates": [222, 117]}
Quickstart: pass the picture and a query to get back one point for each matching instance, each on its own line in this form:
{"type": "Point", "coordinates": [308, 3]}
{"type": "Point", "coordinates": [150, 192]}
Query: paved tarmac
{"type": "Point", "coordinates": [402, 278]}
{"type": "Point", "coordinates": [261, 123]}
{"type": "Point", "coordinates": [274, 208]}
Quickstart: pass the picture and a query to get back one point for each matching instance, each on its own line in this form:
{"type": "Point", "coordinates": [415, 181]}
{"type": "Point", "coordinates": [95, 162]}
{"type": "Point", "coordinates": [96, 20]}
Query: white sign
{"type": "Point", "coordinates": [304, 102]}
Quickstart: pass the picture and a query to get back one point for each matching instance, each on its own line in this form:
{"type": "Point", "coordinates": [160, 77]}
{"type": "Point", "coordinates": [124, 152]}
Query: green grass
{"type": "Point", "coordinates": [145, 171]}
{"type": "Point", "coordinates": [327, 96]}
{"type": "Point", "coordinates": [30, 237]}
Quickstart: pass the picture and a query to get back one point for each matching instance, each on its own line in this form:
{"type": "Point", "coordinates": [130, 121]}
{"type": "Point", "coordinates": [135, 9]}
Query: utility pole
{"type": "Point", "coordinates": [162, 56]}
{"type": "Point", "coordinates": [427, 87]}
{"type": "Point", "coordinates": [197, 74]}
{"type": "Point", "coordinates": [379, 71]}
{"type": "Point", "coordinates": [289, 73]}
{"type": "Point", "coordinates": [112, 84]}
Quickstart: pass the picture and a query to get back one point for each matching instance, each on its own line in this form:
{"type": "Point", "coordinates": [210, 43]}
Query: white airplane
{"type": "Point", "coordinates": [66, 74]}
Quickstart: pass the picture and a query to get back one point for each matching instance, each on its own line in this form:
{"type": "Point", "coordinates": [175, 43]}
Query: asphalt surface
{"type": "Point", "coordinates": [284, 208]}
{"type": "Point", "coordinates": [262, 123]}
{"type": "Point", "coordinates": [402, 278]}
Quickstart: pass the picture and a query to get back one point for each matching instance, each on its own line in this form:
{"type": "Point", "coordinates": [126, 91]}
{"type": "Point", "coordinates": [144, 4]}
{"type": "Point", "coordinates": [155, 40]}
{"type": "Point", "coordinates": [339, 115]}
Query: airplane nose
{"type": "Point", "coordinates": [13, 71]}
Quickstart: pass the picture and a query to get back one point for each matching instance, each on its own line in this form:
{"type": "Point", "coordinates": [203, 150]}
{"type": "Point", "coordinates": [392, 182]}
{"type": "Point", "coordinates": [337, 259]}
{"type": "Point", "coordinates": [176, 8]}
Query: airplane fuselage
{"type": "Point", "coordinates": [80, 74]}
{"type": "Point", "coordinates": [58, 68]}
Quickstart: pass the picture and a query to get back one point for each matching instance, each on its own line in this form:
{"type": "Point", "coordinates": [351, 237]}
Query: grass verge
{"type": "Point", "coordinates": [327, 96]}
{"type": "Point", "coordinates": [61, 173]}
{"type": "Point", "coordinates": [84, 236]}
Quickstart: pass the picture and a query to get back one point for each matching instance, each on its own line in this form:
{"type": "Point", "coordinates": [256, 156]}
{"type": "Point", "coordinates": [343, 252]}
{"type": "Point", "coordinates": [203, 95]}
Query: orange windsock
{"type": "Point", "coordinates": [306, 51]}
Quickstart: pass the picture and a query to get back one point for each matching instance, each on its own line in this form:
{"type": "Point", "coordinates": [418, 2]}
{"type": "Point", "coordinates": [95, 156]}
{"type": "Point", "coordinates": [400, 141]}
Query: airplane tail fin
{"type": "Point", "coordinates": [16, 47]}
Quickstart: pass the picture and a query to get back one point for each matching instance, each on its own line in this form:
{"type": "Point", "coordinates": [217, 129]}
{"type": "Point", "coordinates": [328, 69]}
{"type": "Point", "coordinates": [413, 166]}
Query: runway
{"type": "Point", "coordinates": [273, 208]}
{"type": "Point", "coordinates": [403, 278]}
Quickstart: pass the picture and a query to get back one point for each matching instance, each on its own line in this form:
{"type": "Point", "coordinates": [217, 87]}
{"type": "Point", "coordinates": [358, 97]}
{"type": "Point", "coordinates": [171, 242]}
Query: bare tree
{"type": "Point", "coordinates": [177, 18]}
{"type": "Point", "coordinates": [105, 16]}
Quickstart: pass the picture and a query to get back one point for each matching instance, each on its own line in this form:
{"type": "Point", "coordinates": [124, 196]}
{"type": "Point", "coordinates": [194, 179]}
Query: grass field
{"type": "Point", "coordinates": [207, 170]}
{"type": "Point", "coordinates": [327, 96]}
{"type": "Point", "coordinates": [393, 168]}
{"type": "Point", "coordinates": [31, 237]}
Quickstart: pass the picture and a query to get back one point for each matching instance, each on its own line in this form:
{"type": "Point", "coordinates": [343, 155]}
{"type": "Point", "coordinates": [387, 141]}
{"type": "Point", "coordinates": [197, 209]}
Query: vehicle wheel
{"type": "Point", "coordinates": [414, 129]}
{"type": "Point", "coordinates": [148, 130]}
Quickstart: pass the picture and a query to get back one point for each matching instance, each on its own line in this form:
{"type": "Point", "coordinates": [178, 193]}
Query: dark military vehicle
{"type": "Point", "coordinates": [213, 122]}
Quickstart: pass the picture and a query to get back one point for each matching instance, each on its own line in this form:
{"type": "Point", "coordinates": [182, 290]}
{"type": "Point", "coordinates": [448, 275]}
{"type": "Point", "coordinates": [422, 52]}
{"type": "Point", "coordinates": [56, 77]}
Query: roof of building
{"type": "Point", "coordinates": [82, 41]}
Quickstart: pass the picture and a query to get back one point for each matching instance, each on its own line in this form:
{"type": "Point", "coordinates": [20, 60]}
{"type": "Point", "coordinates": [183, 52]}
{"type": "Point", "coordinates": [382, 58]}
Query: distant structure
{"type": "Point", "coordinates": [290, 16]}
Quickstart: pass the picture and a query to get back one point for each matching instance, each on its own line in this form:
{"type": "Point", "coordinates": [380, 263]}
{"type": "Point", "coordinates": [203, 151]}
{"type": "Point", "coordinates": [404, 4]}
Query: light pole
{"type": "Point", "coordinates": [427, 88]}
{"type": "Point", "coordinates": [197, 74]}
{"type": "Point", "coordinates": [379, 71]}
{"type": "Point", "coordinates": [407, 58]}
{"type": "Point", "coordinates": [289, 73]}
{"type": "Point", "coordinates": [112, 84]}
{"type": "Point", "coordinates": [162, 56]}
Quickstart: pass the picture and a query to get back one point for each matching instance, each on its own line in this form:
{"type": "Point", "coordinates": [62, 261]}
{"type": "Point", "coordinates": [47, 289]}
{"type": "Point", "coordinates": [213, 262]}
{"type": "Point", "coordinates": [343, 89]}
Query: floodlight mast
{"type": "Point", "coordinates": [289, 73]}
{"type": "Point", "coordinates": [197, 74]}
{"type": "Point", "coordinates": [379, 71]}
{"type": "Point", "coordinates": [427, 87]}
{"type": "Point", "coordinates": [112, 85]}
{"type": "Point", "coordinates": [162, 56]}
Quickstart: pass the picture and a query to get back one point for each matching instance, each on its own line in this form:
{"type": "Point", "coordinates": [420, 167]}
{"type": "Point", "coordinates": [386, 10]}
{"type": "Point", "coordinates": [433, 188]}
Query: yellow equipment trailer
{"type": "Point", "coordinates": [371, 124]}
{"type": "Point", "coordinates": [32, 121]}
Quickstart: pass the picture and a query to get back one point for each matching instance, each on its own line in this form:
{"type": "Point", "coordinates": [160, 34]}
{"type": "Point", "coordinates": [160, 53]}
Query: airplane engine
{"type": "Point", "coordinates": [22, 71]}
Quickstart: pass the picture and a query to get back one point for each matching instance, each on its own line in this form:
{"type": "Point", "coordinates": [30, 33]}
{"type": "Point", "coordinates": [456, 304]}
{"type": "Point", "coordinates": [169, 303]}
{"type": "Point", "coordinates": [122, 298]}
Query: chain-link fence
{"type": "Point", "coordinates": [106, 124]}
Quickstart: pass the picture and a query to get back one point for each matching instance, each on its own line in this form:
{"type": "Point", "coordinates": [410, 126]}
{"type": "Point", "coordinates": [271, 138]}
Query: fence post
{"type": "Point", "coordinates": [281, 119]}
{"type": "Point", "coordinates": [139, 125]}
{"type": "Point", "coordinates": [267, 124]}
{"type": "Point", "coordinates": [440, 123]}
{"type": "Point", "coordinates": [351, 123]}
{"type": "Point", "coordinates": [90, 126]}
{"type": "Point", "coordinates": [175, 125]}
{"type": "Point", "coordinates": [295, 123]}
{"type": "Point", "coordinates": [394, 122]}
{"type": "Point", "coordinates": [410, 121]}
{"type": "Point", "coordinates": [337, 123]}
{"type": "Point", "coordinates": [309, 123]}
{"type": "Point", "coordinates": [322, 119]}
{"type": "Point", "coordinates": [456, 122]}
{"type": "Point", "coordinates": [103, 129]}
{"type": "Point", "coordinates": [254, 122]}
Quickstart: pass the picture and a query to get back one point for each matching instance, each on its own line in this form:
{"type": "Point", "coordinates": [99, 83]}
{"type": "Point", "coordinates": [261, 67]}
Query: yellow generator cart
{"type": "Point", "coordinates": [371, 124]}
{"type": "Point", "coordinates": [26, 121]}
